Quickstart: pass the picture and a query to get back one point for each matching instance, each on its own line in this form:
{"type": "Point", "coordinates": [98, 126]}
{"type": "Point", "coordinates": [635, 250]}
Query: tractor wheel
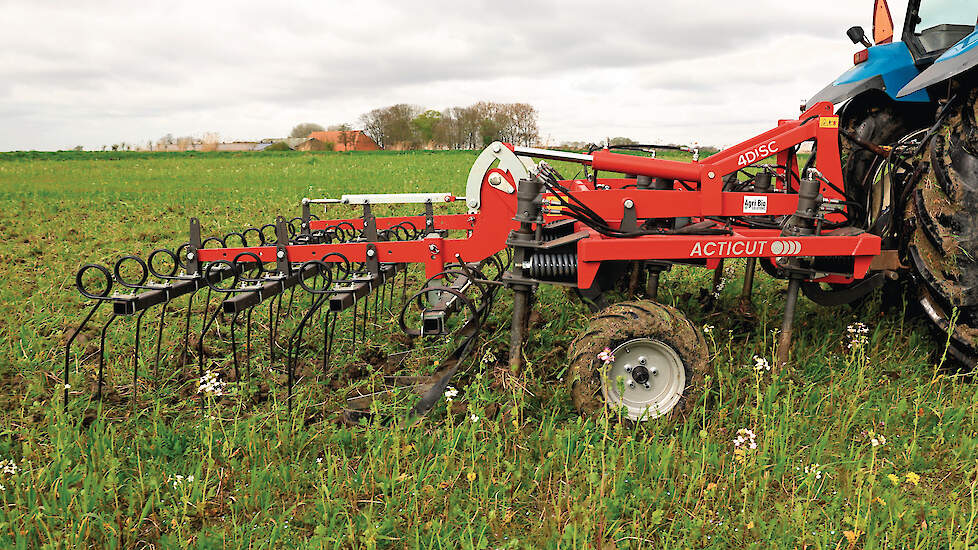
{"type": "Point", "coordinates": [943, 245]}
{"type": "Point", "coordinates": [657, 364]}
{"type": "Point", "coordinates": [879, 124]}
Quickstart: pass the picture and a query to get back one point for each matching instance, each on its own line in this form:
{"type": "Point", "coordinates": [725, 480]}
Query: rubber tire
{"type": "Point", "coordinates": [879, 124]}
{"type": "Point", "coordinates": [943, 244]}
{"type": "Point", "coordinates": [627, 321]}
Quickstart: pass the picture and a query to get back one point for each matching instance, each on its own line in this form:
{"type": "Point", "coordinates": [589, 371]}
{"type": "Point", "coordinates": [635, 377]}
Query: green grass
{"type": "Point", "coordinates": [528, 473]}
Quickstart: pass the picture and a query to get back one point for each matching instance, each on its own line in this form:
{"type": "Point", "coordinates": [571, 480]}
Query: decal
{"type": "Point", "coordinates": [828, 122]}
{"type": "Point", "coordinates": [755, 205]}
{"type": "Point", "coordinates": [758, 153]}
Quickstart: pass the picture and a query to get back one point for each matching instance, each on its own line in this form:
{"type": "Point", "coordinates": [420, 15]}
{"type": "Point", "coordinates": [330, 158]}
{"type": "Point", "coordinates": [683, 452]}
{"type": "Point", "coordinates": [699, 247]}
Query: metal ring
{"type": "Point", "coordinates": [258, 262]}
{"type": "Point", "coordinates": [208, 274]}
{"type": "Point", "coordinates": [219, 241]}
{"type": "Point", "coordinates": [181, 255]}
{"type": "Point", "coordinates": [81, 285]}
{"type": "Point", "coordinates": [323, 270]}
{"type": "Point", "coordinates": [261, 238]}
{"type": "Point", "coordinates": [244, 242]}
{"type": "Point", "coordinates": [142, 266]}
{"type": "Point", "coordinates": [468, 304]}
{"type": "Point", "coordinates": [264, 238]}
{"type": "Point", "coordinates": [173, 258]}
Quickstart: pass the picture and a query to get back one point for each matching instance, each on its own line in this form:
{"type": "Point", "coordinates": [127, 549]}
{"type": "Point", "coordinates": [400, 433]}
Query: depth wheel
{"type": "Point", "coordinates": [657, 369]}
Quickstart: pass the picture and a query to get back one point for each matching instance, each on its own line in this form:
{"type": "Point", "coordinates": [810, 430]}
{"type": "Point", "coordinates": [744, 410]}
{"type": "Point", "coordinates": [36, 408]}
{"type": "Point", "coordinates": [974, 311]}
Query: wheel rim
{"type": "Point", "coordinates": [646, 389]}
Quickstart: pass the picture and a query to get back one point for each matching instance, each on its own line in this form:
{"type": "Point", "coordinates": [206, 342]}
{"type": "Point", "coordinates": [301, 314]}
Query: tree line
{"type": "Point", "coordinates": [405, 126]}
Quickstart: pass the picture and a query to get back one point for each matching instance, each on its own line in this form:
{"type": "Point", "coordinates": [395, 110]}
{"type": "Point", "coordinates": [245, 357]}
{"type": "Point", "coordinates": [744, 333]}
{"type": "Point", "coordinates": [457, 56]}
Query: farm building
{"type": "Point", "coordinates": [313, 144]}
{"type": "Point", "coordinates": [353, 140]}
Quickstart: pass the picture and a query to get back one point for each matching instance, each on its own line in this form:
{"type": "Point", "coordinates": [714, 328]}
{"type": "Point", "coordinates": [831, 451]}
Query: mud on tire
{"type": "Point", "coordinates": [943, 227]}
{"type": "Point", "coordinates": [627, 321]}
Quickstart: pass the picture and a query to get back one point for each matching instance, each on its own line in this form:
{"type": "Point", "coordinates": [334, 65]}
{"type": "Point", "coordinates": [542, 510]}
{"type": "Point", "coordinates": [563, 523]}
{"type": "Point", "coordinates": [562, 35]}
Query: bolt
{"type": "Point", "coordinates": [495, 179]}
{"type": "Point", "coordinates": [497, 148]}
{"type": "Point", "coordinates": [281, 254]}
{"type": "Point", "coordinates": [711, 175]}
{"type": "Point", "coordinates": [654, 371]}
{"type": "Point", "coordinates": [631, 385]}
{"type": "Point", "coordinates": [628, 368]}
{"type": "Point", "coordinates": [648, 386]}
{"type": "Point", "coordinates": [371, 253]}
{"type": "Point", "coordinates": [629, 203]}
{"type": "Point", "coordinates": [642, 360]}
{"type": "Point", "coordinates": [190, 255]}
{"type": "Point", "coordinates": [433, 248]}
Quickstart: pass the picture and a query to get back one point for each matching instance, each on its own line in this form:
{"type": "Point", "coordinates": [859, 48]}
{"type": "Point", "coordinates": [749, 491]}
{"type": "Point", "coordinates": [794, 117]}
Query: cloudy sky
{"type": "Point", "coordinates": [714, 71]}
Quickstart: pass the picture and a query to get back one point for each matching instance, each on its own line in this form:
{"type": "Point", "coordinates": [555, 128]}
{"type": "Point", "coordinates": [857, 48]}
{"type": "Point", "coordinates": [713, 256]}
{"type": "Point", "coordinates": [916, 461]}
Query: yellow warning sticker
{"type": "Point", "coordinates": [828, 122]}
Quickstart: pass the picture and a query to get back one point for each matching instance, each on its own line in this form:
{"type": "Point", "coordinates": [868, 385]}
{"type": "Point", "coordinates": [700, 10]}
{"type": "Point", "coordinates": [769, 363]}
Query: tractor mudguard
{"type": "Point", "coordinates": [958, 59]}
{"type": "Point", "coordinates": [889, 68]}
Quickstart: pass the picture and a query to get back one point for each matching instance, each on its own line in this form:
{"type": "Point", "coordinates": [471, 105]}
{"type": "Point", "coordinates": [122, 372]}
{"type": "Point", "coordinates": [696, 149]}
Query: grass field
{"type": "Point", "coordinates": [870, 447]}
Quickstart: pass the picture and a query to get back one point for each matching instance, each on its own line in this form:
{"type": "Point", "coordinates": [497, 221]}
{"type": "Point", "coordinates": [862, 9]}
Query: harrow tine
{"type": "Point", "coordinates": [159, 341]}
{"type": "Point", "coordinates": [234, 348]}
{"type": "Point", "coordinates": [248, 343]}
{"type": "Point", "coordinates": [186, 330]}
{"type": "Point", "coordinates": [71, 340]}
{"type": "Point", "coordinates": [135, 355]}
{"type": "Point", "coordinates": [329, 335]}
{"type": "Point", "coordinates": [101, 356]}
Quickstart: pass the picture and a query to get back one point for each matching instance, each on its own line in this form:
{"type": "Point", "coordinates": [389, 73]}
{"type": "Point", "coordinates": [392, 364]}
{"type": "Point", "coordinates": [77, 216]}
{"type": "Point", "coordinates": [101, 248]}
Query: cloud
{"type": "Point", "coordinates": [95, 73]}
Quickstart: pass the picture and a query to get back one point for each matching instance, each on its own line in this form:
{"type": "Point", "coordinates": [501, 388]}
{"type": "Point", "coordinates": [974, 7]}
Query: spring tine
{"type": "Point", "coordinates": [186, 330]}
{"type": "Point", "coordinates": [159, 341]}
{"type": "Point", "coordinates": [366, 314]}
{"type": "Point", "coordinates": [135, 355]}
{"type": "Point", "coordinates": [71, 340]}
{"type": "Point", "coordinates": [278, 317]}
{"type": "Point", "coordinates": [295, 343]}
{"type": "Point", "coordinates": [234, 348]}
{"type": "Point", "coordinates": [377, 300]}
{"type": "Point", "coordinates": [404, 288]}
{"type": "Point", "coordinates": [329, 335]}
{"type": "Point", "coordinates": [354, 323]}
{"type": "Point", "coordinates": [101, 356]}
{"type": "Point", "coordinates": [271, 332]}
{"type": "Point", "coordinates": [200, 343]}
{"type": "Point", "coordinates": [248, 344]}
{"type": "Point", "coordinates": [288, 309]}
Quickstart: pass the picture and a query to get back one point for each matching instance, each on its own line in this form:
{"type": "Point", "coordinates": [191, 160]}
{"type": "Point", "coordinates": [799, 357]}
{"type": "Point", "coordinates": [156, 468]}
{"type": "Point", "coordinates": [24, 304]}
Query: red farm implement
{"type": "Point", "coordinates": [525, 225]}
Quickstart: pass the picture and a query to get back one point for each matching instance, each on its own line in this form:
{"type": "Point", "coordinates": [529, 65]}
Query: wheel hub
{"type": "Point", "coordinates": [647, 378]}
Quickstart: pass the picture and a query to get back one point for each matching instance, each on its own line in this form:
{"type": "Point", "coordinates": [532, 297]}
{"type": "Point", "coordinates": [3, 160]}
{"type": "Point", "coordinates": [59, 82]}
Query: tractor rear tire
{"type": "Point", "coordinates": [881, 125]}
{"type": "Point", "coordinates": [943, 238]}
{"type": "Point", "coordinates": [665, 354]}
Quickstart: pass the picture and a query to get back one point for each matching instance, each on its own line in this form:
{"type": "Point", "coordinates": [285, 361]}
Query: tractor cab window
{"type": "Point", "coordinates": [941, 24]}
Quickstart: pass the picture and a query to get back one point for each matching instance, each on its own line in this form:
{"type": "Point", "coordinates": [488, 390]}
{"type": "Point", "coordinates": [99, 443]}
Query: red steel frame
{"type": "Point", "coordinates": [488, 228]}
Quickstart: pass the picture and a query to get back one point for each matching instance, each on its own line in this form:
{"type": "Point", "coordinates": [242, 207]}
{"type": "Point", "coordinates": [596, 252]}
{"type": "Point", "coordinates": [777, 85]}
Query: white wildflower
{"type": "Point", "coordinates": [814, 469]}
{"type": "Point", "coordinates": [8, 467]}
{"type": "Point", "coordinates": [720, 286]}
{"type": "Point", "coordinates": [606, 356]}
{"type": "Point", "coordinates": [858, 335]}
{"type": "Point", "coordinates": [761, 364]}
{"type": "Point", "coordinates": [67, 386]}
{"type": "Point", "coordinates": [876, 440]}
{"type": "Point", "coordinates": [210, 385]}
{"type": "Point", "coordinates": [474, 418]}
{"type": "Point", "coordinates": [708, 329]}
{"type": "Point", "coordinates": [450, 393]}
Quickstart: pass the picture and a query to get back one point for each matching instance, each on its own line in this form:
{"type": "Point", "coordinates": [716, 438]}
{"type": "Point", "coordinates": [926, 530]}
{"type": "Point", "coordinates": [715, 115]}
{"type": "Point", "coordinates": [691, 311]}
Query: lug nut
{"type": "Point", "coordinates": [642, 361]}
{"type": "Point", "coordinates": [628, 368]}
{"type": "Point", "coordinates": [654, 371]}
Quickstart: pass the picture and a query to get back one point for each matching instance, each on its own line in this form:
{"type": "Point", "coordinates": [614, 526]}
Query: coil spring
{"type": "Point", "coordinates": [552, 266]}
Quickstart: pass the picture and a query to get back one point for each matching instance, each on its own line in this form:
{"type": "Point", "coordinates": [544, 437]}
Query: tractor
{"type": "Point", "coordinates": [885, 200]}
{"type": "Point", "coordinates": [907, 116]}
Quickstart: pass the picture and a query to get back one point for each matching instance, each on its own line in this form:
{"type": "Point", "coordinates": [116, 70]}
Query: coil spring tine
{"type": "Point", "coordinates": [354, 322]}
{"type": "Point", "coordinates": [135, 355]}
{"type": "Point", "coordinates": [101, 357]}
{"type": "Point", "coordinates": [186, 330]}
{"type": "Point", "coordinates": [248, 343]}
{"type": "Point", "coordinates": [278, 317]}
{"type": "Point", "coordinates": [159, 341]}
{"type": "Point", "coordinates": [200, 343]}
{"type": "Point", "coordinates": [295, 343]}
{"type": "Point", "coordinates": [329, 336]}
{"type": "Point", "coordinates": [377, 300]}
{"type": "Point", "coordinates": [71, 340]}
{"type": "Point", "coordinates": [271, 332]}
{"type": "Point", "coordinates": [234, 348]}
